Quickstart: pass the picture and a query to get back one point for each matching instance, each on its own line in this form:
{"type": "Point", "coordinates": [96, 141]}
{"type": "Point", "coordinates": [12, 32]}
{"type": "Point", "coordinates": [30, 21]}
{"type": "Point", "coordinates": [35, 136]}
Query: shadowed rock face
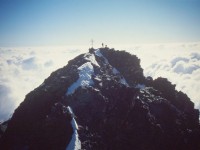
{"type": "Point", "coordinates": [114, 105]}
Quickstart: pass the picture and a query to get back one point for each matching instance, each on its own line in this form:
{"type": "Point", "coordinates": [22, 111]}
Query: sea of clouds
{"type": "Point", "coordinates": [23, 69]}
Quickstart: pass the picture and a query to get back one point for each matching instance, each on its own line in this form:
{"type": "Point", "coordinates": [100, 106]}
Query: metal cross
{"type": "Point", "coordinates": [92, 42]}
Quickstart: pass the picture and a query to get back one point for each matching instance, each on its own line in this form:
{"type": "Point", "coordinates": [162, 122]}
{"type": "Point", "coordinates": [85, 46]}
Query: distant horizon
{"type": "Point", "coordinates": [99, 44]}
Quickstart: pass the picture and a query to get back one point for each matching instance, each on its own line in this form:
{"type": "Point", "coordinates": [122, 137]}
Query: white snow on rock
{"type": "Point", "coordinates": [97, 78]}
{"type": "Point", "coordinates": [140, 86]}
{"type": "Point", "coordinates": [98, 53]}
{"type": "Point", "coordinates": [70, 111]}
{"type": "Point", "coordinates": [123, 81]}
{"type": "Point", "coordinates": [75, 143]}
{"type": "Point", "coordinates": [114, 70]}
{"type": "Point", "coordinates": [85, 78]}
{"type": "Point", "coordinates": [86, 71]}
{"type": "Point", "coordinates": [91, 58]}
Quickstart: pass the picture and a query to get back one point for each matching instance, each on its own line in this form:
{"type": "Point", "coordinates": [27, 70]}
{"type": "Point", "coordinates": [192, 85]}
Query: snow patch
{"type": "Point", "coordinates": [70, 111]}
{"type": "Point", "coordinates": [91, 58]}
{"type": "Point", "coordinates": [97, 90]}
{"type": "Point", "coordinates": [123, 81]}
{"type": "Point", "coordinates": [63, 77]}
{"type": "Point", "coordinates": [85, 78]}
{"type": "Point", "coordinates": [98, 53]}
{"type": "Point", "coordinates": [140, 86]}
{"type": "Point", "coordinates": [114, 70]}
{"type": "Point", "coordinates": [75, 143]}
{"type": "Point", "coordinates": [97, 78]}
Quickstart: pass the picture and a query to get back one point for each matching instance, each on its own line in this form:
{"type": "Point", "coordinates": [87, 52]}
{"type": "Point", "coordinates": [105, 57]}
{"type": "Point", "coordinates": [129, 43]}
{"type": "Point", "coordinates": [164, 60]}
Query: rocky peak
{"type": "Point", "coordinates": [101, 100]}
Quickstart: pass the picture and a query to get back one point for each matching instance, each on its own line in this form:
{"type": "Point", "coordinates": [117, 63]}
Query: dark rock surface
{"type": "Point", "coordinates": [119, 109]}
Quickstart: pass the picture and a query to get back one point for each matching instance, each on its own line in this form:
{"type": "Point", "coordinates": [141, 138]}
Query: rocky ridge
{"type": "Point", "coordinates": [101, 100]}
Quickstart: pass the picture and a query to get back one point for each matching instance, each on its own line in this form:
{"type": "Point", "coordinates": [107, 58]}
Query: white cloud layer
{"type": "Point", "coordinates": [23, 69]}
{"type": "Point", "coordinates": [178, 62]}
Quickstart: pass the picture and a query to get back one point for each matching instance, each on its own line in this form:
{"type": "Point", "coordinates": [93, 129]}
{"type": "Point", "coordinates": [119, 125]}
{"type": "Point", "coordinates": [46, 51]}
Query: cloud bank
{"type": "Point", "coordinates": [23, 69]}
{"type": "Point", "coordinates": [178, 62]}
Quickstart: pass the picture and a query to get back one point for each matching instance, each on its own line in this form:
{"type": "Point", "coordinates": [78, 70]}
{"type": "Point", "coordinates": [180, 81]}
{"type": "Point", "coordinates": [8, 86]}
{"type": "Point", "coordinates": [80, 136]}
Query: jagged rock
{"type": "Point", "coordinates": [128, 65]}
{"type": "Point", "coordinates": [114, 105]}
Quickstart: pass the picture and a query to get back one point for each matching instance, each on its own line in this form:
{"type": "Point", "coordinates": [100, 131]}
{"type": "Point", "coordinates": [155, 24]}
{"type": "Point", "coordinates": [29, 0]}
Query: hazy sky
{"type": "Point", "coordinates": [75, 22]}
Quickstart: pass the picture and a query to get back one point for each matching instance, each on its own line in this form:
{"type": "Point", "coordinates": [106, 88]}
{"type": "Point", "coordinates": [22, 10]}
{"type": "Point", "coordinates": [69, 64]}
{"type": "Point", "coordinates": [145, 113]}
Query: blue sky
{"type": "Point", "coordinates": [75, 22]}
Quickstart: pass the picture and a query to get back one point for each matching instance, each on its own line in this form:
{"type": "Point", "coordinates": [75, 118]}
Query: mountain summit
{"type": "Point", "coordinates": [102, 101]}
